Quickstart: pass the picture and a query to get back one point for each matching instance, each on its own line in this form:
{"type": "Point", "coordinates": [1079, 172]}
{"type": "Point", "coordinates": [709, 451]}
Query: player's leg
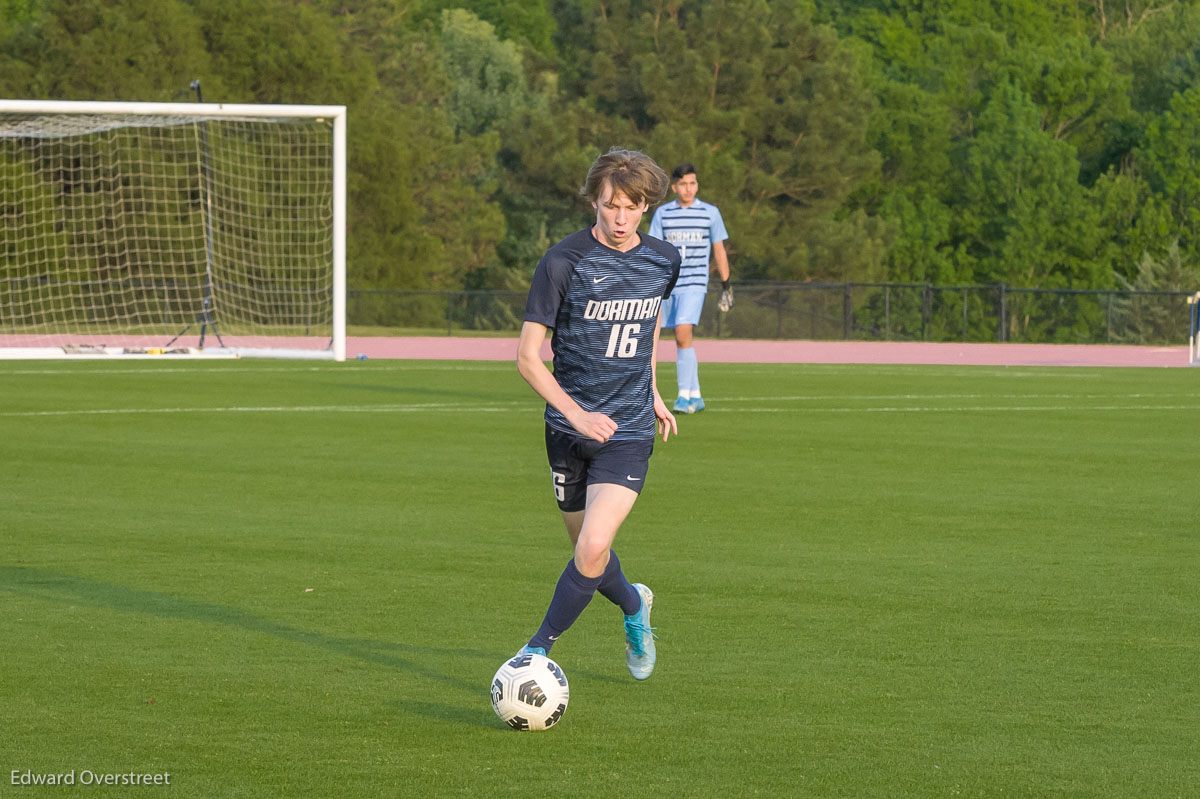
{"type": "Point", "coordinates": [616, 475]}
{"type": "Point", "coordinates": [685, 367]}
{"type": "Point", "coordinates": [690, 304]}
{"type": "Point", "coordinates": [568, 456]}
{"type": "Point", "coordinates": [669, 309]}
{"type": "Point", "coordinates": [607, 507]}
{"type": "Point", "coordinates": [613, 584]}
{"type": "Point", "coordinates": [683, 336]}
{"type": "Point", "coordinates": [574, 523]}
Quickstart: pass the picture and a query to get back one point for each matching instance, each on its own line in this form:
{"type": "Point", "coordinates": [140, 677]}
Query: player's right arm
{"type": "Point", "coordinates": [666, 419]}
{"type": "Point", "coordinates": [596, 426]}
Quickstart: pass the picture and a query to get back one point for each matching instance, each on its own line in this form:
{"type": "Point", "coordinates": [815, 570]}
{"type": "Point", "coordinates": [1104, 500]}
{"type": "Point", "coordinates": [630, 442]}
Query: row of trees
{"type": "Point", "coordinates": [1047, 143]}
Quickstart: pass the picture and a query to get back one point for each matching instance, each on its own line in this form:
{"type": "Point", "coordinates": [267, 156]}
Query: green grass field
{"type": "Point", "coordinates": [275, 579]}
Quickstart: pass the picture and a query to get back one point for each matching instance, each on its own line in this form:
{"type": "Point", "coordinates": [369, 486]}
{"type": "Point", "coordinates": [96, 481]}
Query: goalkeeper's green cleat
{"type": "Point", "coordinates": [639, 637]}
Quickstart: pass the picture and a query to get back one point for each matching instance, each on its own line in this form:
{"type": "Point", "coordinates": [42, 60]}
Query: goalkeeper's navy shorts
{"type": "Point", "coordinates": [577, 462]}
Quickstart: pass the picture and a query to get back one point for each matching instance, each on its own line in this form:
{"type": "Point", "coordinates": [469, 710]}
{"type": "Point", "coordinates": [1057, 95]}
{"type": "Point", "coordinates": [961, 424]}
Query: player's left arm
{"type": "Point", "coordinates": [666, 419]}
{"type": "Point", "coordinates": [721, 261]}
{"type": "Point", "coordinates": [721, 264]}
{"type": "Point", "coordinates": [717, 234]}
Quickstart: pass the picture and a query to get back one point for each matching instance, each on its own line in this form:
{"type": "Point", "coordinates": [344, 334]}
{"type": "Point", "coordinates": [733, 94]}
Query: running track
{"type": "Point", "coordinates": [729, 351]}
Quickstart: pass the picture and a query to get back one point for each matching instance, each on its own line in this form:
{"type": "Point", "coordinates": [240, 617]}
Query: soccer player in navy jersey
{"type": "Point", "coordinates": [601, 290]}
{"type": "Point", "coordinates": [696, 228]}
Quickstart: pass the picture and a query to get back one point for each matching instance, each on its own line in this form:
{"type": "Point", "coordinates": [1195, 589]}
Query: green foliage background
{"type": "Point", "coordinates": [1038, 143]}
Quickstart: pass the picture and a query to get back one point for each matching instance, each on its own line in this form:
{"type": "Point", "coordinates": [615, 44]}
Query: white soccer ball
{"type": "Point", "coordinates": [529, 692]}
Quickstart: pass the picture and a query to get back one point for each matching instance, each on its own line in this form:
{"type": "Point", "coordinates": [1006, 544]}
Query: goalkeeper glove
{"type": "Point", "coordinates": [726, 300]}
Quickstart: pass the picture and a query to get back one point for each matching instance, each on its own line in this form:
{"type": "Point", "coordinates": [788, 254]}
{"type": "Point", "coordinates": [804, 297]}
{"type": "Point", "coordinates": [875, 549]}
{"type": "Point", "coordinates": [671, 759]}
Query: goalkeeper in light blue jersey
{"type": "Point", "coordinates": [696, 229]}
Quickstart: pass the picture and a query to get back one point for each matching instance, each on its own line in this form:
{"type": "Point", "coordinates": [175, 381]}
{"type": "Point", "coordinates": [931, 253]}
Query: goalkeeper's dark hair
{"type": "Point", "coordinates": [680, 171]}
{"type": "Point", "coordinates": [630, 172]}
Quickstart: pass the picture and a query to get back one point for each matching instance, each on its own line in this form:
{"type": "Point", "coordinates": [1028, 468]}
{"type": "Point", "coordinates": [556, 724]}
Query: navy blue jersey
{"type": "Point", "coordinates": [603, 306]}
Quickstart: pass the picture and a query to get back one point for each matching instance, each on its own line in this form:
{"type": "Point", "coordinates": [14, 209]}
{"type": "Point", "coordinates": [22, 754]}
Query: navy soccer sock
{"type": "Point", "coordinates": [617, 589]}
{"type": "Point", "coordinates": [571, 596]}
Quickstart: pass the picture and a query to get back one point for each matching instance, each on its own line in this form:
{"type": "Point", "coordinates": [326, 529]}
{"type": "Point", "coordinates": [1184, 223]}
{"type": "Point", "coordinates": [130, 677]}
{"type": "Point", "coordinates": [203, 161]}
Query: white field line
{"type": "Point", "coordinates": [526, 407]}
{"type": "Point", "coordinates": [882, 397]}
{"type": "Point", "coordinates": [81, 368]}
{"type": "Point", "coordinates": [901, 370]}
{"type": "Point", "coordinates": [433, 406]}
{"type": "Point", "coordinates": [199, 367]}
{"type": "Point", "coordinates": [968, 409]}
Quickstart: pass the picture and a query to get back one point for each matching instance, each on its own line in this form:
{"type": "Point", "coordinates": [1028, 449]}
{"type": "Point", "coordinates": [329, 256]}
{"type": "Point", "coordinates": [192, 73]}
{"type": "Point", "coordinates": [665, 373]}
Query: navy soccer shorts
{"type": "Point", "coordinates": [577, 462]}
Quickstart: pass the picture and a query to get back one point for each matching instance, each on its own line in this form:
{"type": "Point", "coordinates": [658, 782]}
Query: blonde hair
{"type": "Point", "coordinates": [630, 172]}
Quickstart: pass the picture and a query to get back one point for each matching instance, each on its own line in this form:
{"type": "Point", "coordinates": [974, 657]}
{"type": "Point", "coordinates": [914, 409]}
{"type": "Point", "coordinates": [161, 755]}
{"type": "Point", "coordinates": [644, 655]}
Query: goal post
{"type": "Point", "coordinates": [1194, 329]}
{"type": "Point", "coordinates": [172, 228]}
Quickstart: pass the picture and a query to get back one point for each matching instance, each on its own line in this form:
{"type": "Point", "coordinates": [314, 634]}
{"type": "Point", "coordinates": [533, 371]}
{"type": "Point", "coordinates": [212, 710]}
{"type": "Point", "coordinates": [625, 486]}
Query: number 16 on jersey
{"type": "Point", "coordinates": [621, 341]}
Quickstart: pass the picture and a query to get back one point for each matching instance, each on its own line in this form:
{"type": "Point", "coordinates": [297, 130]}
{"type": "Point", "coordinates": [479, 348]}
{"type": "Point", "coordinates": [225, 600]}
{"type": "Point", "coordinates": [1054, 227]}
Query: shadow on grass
{"type": "Point", "coordinates": [75, 590]}
{"type": "Point", "coordinates": [478, 715]}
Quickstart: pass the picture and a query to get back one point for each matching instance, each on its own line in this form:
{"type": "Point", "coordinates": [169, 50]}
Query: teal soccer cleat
{"type": "Point", "coordinates": [531, 650]}
{"type": "Point", "coordinates": [682, 405]}
{"type": "Point", "coordinates": [696, 405]}
{"type": "Point", "coordinates": [639, 637]}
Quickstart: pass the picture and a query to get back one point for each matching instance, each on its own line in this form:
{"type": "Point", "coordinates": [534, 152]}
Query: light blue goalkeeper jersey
{"type": "Point", "coordinates": [693, 230]}
{"type": "Point", "coordinates": [603, 305]}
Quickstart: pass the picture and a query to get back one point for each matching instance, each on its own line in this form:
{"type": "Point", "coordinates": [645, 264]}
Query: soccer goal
{"type": "Point", "coordinates": [154, 229]}
{"type": "Point", "coordinates": [1194, 329]}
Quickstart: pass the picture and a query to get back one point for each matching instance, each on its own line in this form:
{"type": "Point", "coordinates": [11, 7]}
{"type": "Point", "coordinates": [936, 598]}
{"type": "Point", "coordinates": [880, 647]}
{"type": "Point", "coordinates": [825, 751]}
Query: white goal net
{"type": "Point", "coordinates": [164, 228]}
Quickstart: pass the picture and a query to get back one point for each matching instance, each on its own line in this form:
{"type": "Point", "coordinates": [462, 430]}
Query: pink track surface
{"type": "Point", "coordinates": [730, 351]}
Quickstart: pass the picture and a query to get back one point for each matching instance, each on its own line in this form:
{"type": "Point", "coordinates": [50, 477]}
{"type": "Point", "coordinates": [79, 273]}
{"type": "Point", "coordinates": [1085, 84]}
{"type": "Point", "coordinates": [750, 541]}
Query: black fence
{"type": "Point", "coordinates": [840, 311]}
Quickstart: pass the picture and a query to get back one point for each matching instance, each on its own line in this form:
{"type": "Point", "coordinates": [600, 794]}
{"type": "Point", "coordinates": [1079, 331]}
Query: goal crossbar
{"type": "Point", "coordinates": [126, 225]}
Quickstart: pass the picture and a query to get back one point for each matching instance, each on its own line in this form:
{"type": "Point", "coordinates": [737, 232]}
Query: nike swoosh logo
{"type": "Point", "coordinates": [631, 478]}
{"type": "Point", "coordinates": [553, 637]}
{"type": "Point", "coordinates": [599, 279]}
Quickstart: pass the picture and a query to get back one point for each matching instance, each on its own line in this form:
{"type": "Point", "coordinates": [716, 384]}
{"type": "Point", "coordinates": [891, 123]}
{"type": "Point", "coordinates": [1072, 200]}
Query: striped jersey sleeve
{"type": "Point", "coordinates": [692, 230]}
